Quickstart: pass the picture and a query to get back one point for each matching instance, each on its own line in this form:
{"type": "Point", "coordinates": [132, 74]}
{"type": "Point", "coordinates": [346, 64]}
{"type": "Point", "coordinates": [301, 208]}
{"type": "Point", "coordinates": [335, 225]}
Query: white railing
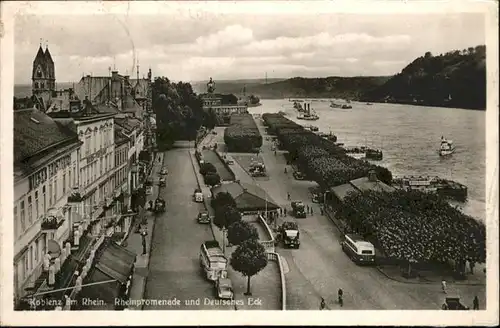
{"type": "Point", "coordinates": [268, 244]}
{"type": "Point", "coordinates": [271, 256]}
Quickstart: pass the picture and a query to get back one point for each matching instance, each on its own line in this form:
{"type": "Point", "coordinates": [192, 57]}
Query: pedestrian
{"type": "Point", "coordinates": [307, 209]}
{"type": "Point", "coordinates": [321, 210]}
{"type": "Point", "coordinates": [322, 305]}
{"type": "Point", "coordinates": [285, 211]}
{"type": "Point", "coordinates": [471, 266]}
{"type": "Point", "coordinates": [275, 153]}
{"type": "Point", "coordinates": [475, 303]}
{"type": "Point", "coordinates": [443, 285]}
{"type": "Point", "coordinates": [288, 195]}
{"type": "Point", "coordinates": [312, 211]}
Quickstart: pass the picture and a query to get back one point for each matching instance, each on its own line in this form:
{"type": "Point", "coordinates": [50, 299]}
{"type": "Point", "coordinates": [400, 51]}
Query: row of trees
{"type": "Point", "coordinates": [319, 158]}
{"type": "Point", "coordinates": [249, 258]}
{"type": "Point", "coordinates": [416, 227]}
{"type": "Point", "coordinates": [209, 173]}
{"type": "Point", "coordinates": [242, 135]}
{"type": "Point", "coordinates": [179, 112]}
{"type": "Point", "coordinates": [455, 79]}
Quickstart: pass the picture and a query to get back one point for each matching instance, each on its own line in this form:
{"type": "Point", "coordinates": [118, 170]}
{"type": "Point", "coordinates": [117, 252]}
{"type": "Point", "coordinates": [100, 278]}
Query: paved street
{"type": "Point", "coordinates": [320, 267]}
{"type": "Point", "coordinates": [174, 266]}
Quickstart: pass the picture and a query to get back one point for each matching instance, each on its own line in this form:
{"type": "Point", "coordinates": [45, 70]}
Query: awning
{"type": "Point", "coordinates": [107, 292]}
{"type": "Point", "coordinates": [115, 261]}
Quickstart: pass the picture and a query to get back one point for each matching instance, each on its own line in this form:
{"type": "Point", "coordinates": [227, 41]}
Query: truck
{"type": "Point", "coordinates": [298, 209]}
{"type": "Point", "coordinates": [289, 233]}
{"type": "Point", "coordinates": [213, 262]}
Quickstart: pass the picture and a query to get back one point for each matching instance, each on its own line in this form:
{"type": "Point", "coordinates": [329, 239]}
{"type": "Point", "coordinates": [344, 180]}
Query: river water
{"type": "Point", "coordinates": [409, 137]}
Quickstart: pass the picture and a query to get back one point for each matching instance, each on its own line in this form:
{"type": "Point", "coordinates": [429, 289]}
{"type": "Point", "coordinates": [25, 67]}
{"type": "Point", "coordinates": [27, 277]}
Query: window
{"type": "Point", "coordinates": [69, 179]}
{"type": "Point", "coordinates": [87, 145]}
{"type": "Point", "coordinates": [94, 141]}
{"type": "Point", "coordinates": [30, 258]}
{"type": "Point", "coordinates": [30, 211]}
{"type": "Point", "coordinates": [87, 174]}
{"type": "Point", "coordinates": [64, 183]}
{"type": "Point", "coordinates": [44, 200]}
{"type": "Point", "coordinates": [35, 253]}
{"type": "Point", "coordinates": [37, 208]}
{"type": "Point", "coordinates": [25, 267]}
{"type": "Point", "coordinates": [23, 218]}
{"type": "Point", "coordinates": [74, 175]}
{"type": "Point", "coordinates": [100, 166]}
{"type": "Point", "coordinates": [55, 189]}
{"type": "Point", "coordinates": [50, 193]}
{"type": "Point", "coordinates": [16, 222]}
{"type": "Point", "coordinates": [106, 163]}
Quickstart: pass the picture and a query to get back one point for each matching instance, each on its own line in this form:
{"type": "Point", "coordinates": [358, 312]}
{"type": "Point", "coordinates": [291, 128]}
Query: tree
{"type": "Point", "coordinates": [206, 168]}
{"type": "Point", "coordinates": [249, 259]}
{"type": "Point", "coordinates": [222, 199]}
{"type": "Point", "coordinates": [240, 231]}
{"type": "Point", "coordinates": [212, 179]}
{"type": "Point", "coordinates": [225, 216]}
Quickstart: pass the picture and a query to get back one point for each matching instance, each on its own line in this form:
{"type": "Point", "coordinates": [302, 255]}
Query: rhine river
{"type": "Point", "coordinates": [409, 137]}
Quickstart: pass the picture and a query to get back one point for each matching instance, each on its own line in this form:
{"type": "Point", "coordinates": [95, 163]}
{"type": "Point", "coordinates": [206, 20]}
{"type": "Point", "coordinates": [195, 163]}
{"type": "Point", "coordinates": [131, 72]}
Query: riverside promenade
{"type": "Point", "coordinates": [265, 286]}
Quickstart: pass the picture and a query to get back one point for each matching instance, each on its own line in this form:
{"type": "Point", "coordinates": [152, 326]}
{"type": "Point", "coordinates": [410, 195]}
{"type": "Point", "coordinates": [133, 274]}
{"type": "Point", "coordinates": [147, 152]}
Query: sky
{"type": "Point", "coordinates": [195, 46]}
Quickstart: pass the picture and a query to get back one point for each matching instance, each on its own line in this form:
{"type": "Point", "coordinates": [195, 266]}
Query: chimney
{"type": "Point", "coordinates": [114, 75]}
{"type": "Point", "coordinates": [372, 176]}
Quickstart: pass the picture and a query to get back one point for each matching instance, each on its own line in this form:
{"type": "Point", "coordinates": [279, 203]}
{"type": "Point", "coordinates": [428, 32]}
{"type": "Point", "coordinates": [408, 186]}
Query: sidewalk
{"type": "Point", "coordinates": [264, 286]}
{"type": "Point", "coordinates": [134, 244]}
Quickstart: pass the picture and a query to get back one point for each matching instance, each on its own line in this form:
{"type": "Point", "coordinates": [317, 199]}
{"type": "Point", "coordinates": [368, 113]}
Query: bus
{"type": "Point", "coordinates": [359, 250]}
{"type": "Point", "coordinates": [212, 260]}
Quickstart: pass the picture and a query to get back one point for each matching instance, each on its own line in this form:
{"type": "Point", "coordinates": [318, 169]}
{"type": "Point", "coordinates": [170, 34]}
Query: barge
{"type": "Point", "coordinates": [443, 187]}
{"type": "Point", "coordinates": [364, 153]}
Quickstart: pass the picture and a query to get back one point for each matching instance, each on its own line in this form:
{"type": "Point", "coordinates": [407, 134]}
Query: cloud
{"type": "Point", "coordinates": [195, 46]}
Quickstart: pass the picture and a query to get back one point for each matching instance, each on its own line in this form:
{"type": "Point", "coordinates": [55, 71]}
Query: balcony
{"type": "Point", "coordinates": [76, 195]}
{"type": "Point", "coordinates": [52, 220]}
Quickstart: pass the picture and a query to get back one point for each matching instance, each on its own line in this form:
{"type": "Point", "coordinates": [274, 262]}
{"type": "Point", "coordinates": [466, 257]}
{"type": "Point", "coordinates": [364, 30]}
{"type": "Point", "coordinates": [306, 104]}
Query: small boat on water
{"type": "Point", "coordinates": [443, 187]}
{"type": "Point", "coordinates": [369, 104]}
{"type": "Point", "coordinates": [364, 153]}
{"type": "Point", "coordinates": [309, 115]}
{"type": "Point", "coordinates": [447, 147]}
{"type": "Point", "coordinates": [328, 136]}
{"type": "Point", "coordinates": [346, 107]}
{"type": "Point", "coordinates": [334, 105]}
{"type": "Point", "coordinates": [312, 128]}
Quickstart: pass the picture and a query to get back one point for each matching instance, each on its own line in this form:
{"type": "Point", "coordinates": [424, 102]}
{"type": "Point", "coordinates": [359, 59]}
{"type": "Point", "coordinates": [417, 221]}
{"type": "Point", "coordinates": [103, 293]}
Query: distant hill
{"type": "Point", "coordinates": [24, 90]}
{"type": "Point", "coordinates": [328, 87]}
{"type": "Point", "coordinates": [455, 79]}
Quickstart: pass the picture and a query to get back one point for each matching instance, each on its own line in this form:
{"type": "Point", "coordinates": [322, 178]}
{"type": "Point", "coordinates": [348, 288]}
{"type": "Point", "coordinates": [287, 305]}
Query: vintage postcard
{"type": "Point", "coordinates": [300, 163]}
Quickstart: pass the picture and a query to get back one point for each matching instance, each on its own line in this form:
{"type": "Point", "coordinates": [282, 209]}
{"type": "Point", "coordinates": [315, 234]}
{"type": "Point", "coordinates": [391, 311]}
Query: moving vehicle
{"type": "Point", "coordinates": [358, 250]}
{"type": "Point", "coordinates": [198, 195]}
{"type": "Point", "coordinates": [317, 197]}
{"type": "Point", "coordinates": [159, 205]}
{"type": "Point", "coordinates": [298, 175]}
{"type": "Point", "coordinates": [212, 260]}
{"type": "Point", "coordinates": [289, 233]}
{"type": "Point", "coordinates": [224, 289]}
{"type": "Point", "coordinates": [453, 303]}
{"type": "Point", "coordinates": [163, 171]}
{"type": "Point", "coordinates": [298, 209]}
{"type": "Point", "coordinates": [229, 160]}
{"type": "Point", "coordinates": [257, 170]}
{"type": "Point", "coordinates": [447, 147]}
{"type": "Point", "coordinates": [203, 217]}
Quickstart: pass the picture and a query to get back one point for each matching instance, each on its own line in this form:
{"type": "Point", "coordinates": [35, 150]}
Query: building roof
{"type": "Point", "coordinates": [140, 87]}
{"type": "Point", "coordinates": [120, 137]}
{"type": "Point", "coordinates": [91, 86]}
{"type": "Point", "coordinates": [364, 184]}
{"type": "Point", "coordinates": [35, 132]}
{"type": "Point", "coordinates": [342, 191]}
{"type": "Point", "coordinates": [129, 124]}
{"type": "Point", "coordinates": [247, 196]}
{"type": "Point", "coordinates": [48, 57]}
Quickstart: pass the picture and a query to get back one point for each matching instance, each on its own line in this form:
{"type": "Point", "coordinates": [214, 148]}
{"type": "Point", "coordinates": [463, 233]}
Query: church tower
{"type": "Point", "coordinates": [43, 76]}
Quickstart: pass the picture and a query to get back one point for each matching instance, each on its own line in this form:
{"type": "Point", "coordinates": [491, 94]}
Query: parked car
{"type": "Point", "coordinates": [198, 195]}
{"type": "Point", "coordinates": [203, 217]}
{"type": "Point", "coordinates": [164, 171]}
{"type": "Point", "coordinates": [214, 132]}
{"type": "Point", "coordinates": [224, 288]}
{"type": "Point", "coordinates": [149, 190]}
{"type": "Point", "coordinates": [298, 175]}
{"type": "Point", "coordinates": [162, 182]}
